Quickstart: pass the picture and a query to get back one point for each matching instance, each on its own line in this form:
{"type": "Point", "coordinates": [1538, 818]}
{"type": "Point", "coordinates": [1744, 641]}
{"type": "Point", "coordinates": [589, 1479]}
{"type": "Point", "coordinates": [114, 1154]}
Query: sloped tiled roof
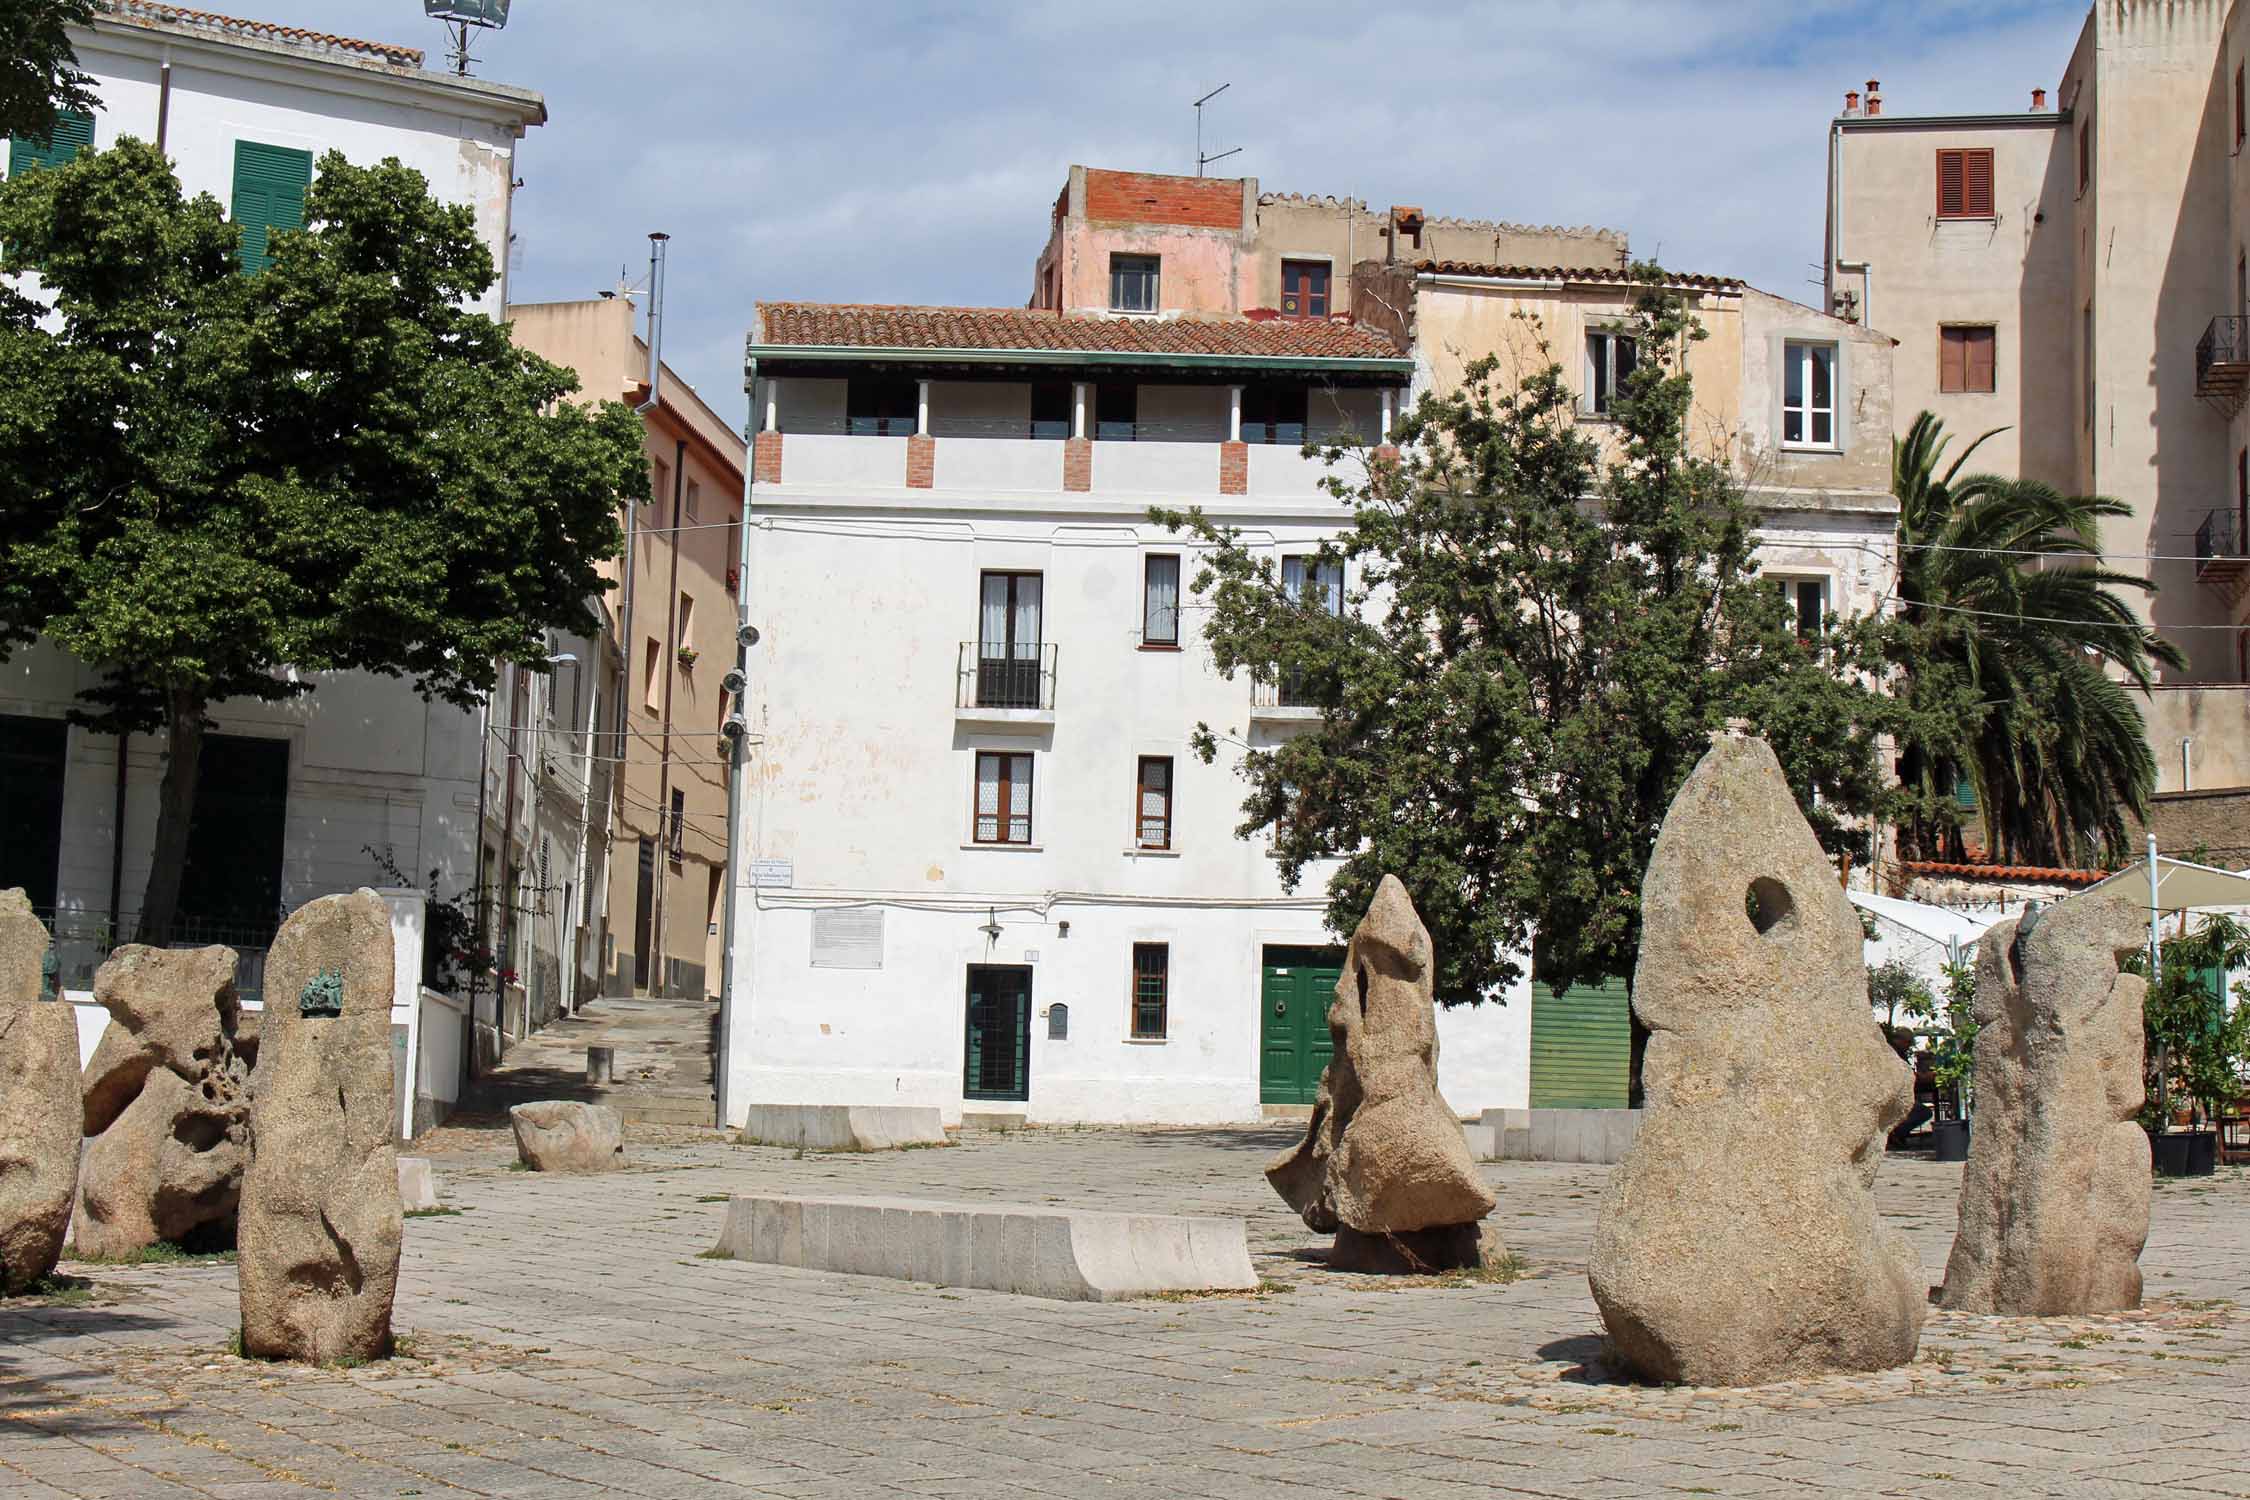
{"type": "Point", "coordinates": [1980, 870]}
{"type": "Point", "coordinates": [1573, 273]}
{"type": "Point", "coordinates": [870, 326]}
{"type": "Point", "coordinates": [264, 31]}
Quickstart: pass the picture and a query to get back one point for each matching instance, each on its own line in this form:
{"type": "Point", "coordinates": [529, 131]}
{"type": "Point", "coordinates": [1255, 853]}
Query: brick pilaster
{"type": "Point", "coordinates": [1234, 468]}
{"type": "Point", "coordinates": [1078, 465]}
{"type": "Point", "coordinates": [921, 461]}
{"type": "Point", "coordinates": [765, 461]}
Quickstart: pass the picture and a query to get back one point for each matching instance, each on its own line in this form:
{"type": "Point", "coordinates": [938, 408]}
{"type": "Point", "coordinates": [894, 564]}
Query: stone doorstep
{"type": "Point", "coordinates": [1068, 1255]}
{"type": "Point", "coordinates": [843, 1127]}
{"type": "Point", "coordinates": [993, 1120]}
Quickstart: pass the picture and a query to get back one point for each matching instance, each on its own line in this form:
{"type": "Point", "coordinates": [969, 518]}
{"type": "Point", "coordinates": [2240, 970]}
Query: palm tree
{"type": "Point", "coordinates": [2014, 652]}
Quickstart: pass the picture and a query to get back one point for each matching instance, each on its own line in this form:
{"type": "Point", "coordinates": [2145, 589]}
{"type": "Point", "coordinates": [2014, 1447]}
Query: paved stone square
{"type": "Point", "coordinates": [565, 1339]}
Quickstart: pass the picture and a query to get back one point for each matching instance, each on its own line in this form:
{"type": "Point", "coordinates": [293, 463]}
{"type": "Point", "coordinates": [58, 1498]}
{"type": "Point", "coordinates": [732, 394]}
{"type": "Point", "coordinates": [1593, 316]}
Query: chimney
{"type": "Point", "coordinates": [1874, 98]}
{"type": "Point", "coordinates": [2038, 100]}
{"type": "Point", "coordinates": [1851, 101]}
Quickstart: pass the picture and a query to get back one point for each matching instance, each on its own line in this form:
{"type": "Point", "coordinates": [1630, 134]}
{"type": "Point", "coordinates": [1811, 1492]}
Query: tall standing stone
{"type": "Point", "coordinates": [1738, 1244]}
{"type": "Point", "coordinates": [38, 1102]}
{"type": "Point", "coordinates": [320, 1225]}
{"type": "Point", "coordinates": [1384, 1164]}
{"type": "Point", "coordinates": [2054, 1200]}
{"type": "Point", "coordinates": [167, 1103]}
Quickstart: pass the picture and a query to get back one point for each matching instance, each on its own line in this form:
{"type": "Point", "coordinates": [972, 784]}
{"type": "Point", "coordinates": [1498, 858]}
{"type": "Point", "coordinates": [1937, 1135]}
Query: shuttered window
{"type": "Point", "coordinates": [270, 183]}
{"type": "Point", "coordinates": [1581, 1046]}
{"type": "Point", "coordinates": [1964, 184]}
{"type": "Point", "coordinates": [74, 132]}
{"type": "Point", "coordinates": [1965, 360]}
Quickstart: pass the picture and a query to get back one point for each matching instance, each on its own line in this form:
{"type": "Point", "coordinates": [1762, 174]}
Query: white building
{"type": "Point", "coordinates": [985, 872]}
{"type": "Point", "coordinates": [292, 795]}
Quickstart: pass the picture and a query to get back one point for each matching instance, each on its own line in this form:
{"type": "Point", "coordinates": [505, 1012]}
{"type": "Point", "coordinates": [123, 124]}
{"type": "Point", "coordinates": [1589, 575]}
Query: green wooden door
{"type": "Point", "coordinates": [1294, 993]}
{"type": "Point", "coordinates": [1581, 1046]}
{"type": "Point", "coordinates": [998, 1052]}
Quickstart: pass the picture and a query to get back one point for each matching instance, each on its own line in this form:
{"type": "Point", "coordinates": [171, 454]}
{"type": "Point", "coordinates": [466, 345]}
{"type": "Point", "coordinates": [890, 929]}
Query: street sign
{"type": "Point", "coordinates": [773, 874]}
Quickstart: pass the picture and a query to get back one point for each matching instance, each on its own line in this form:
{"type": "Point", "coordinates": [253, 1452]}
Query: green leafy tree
{"type": "Point", "coordinates": [39, 74]}
{"type": "Point", "coordinates": [2001, 664]}
{"type": "Point", "coordinates": [216, 485]}
{"type": "Point", "coordinates": [2194, 1044]}
{"type": "Point", "coordinates": [1537, 644]}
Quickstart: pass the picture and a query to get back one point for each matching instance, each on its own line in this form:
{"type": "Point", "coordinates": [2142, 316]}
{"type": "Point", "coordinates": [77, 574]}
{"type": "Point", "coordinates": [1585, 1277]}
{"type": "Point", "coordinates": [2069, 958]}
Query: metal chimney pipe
{"type": "Point", "coordinates": [656, 252]}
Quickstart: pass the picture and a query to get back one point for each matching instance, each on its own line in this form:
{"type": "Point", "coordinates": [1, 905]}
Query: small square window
{"type": "Point", "coordinates": [1964, 184]}
{"type": "Point", "coordinates": [1152, 985]}
{"type": "Point", "coordinates": [1133, 283]}
{"type": "Point", "coordinates": [1965, 361]}
{"type": "Point", "coordinates": [1808, 605]}
{"type": "Point", "coordinates": [1304, 289]}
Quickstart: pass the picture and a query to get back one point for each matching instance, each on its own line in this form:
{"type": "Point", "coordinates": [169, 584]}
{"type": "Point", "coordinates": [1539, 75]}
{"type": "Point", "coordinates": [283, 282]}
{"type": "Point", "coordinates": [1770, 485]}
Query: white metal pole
{"type": "Point", "coordinates": [2155, 952]}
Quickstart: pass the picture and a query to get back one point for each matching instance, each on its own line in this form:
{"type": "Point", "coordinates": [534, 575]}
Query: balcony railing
{"type": "Point", "coordinates": [84, 939]}
{"type": "Point", "coordinates": [2222, 362]}
{"type": "Point", "coordinates": [1006, 678]}
{"type": "Point", "coordinates": [2221, 557]}
{"type": "Point", "coordinates": [1291, 695]}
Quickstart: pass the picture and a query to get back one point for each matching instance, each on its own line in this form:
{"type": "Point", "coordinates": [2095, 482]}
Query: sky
{"type": "Point", "coordinates": [880, 152]}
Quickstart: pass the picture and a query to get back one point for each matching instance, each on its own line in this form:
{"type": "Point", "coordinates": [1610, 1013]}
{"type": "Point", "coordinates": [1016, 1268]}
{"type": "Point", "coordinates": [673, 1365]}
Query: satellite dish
{"type": "Point", "coordinates": [458, 16]}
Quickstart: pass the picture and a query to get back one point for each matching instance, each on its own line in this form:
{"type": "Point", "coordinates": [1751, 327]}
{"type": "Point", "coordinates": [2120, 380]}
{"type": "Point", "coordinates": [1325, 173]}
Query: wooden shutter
{"type": "Point", "coordinates": [1978, 349]}
{"type": "Point", "coordinates": [1976, 188]}
{"type": "Point", "coordinates": [270, 183]}
{"type": "Point", "coordinates": [1952, 360]}
{"type": "Point", "coordinates": [74, 132]}
{"type": "Point", "coordinates": [1950, 171]}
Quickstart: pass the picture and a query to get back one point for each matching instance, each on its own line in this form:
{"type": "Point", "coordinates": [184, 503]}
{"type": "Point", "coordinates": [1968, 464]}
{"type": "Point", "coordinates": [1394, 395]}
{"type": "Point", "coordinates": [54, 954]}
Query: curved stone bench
{"type": "Point", "coordinates": [1070, 1255]}
{"type": "Point", "coordinates": [843, 1127]}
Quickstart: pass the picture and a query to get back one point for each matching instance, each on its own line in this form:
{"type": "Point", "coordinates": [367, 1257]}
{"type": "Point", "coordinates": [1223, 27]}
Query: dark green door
{"type": "Point", "coordinates": [1581, 1046]}
{"type": "Point", "coordinates": [230, 891]}
{"type": "Point", "coordinates": [998, 1065]}
{"type": "Point", "coordinates": [1294, 994]}
{"type": "Point", "coordinates": [32, 755]}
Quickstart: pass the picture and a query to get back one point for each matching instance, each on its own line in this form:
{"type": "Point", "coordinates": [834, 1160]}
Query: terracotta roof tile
{"type": "Point", "coordinates": [869, 326]}
{"type": "Point", "coordinates": [1983, 870]}
{"type": "Point", "coordinates": [264, 31]}
{"type": "Point", "coordinates": [1597, 274]}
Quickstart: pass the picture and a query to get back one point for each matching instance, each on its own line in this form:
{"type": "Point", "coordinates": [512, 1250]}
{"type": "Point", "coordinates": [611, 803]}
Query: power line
{"type": "Point", "coordinates": [2001, 614]}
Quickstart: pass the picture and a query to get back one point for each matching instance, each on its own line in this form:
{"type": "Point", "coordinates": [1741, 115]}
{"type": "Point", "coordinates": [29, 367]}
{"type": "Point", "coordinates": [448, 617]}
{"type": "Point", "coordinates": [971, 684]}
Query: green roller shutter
{"type": "Point", "coordinates": [270, 183]}
{"type": "Point", "coordinates": [1581, 1046]}
{"type": "Point", "coordinates": [74, 132]}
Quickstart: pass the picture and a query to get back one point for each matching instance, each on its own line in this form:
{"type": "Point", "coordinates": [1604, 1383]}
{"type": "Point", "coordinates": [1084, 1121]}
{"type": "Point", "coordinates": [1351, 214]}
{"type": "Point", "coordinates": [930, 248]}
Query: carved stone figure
{"type": "Point", "coordinates": [562, 1135]}
{"type": "Point", "coordinates": [2054, 1200]}
{"type": "Point", "coordinates": [321, 1224]}
{"type": "Point", "coordinates": [38, 1102]}
{"type": "Point", "coordinates": [167, 1103]}
{"type": "Point", "coordinates": [1384, 1164]}
{"type": "Point", "coordinates": [1738, 1243]}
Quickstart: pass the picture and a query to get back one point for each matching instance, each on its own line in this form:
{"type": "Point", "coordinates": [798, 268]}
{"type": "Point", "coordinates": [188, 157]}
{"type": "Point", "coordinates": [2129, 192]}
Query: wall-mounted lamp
{"type": "Point", "coordinates": [991, 927]}
{"type": "Point", "coordinates": [1062, 928]}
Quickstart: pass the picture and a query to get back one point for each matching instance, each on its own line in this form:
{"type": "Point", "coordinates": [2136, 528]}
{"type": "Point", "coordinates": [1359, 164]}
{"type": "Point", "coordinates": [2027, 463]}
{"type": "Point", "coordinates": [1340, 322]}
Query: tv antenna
{"type": "Point", "coordinates": [1202, 161]}
{"type": "Point", "coordinates": [457, 16]}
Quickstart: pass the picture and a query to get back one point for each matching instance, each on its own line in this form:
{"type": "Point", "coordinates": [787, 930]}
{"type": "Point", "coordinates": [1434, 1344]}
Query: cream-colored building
{"type": "Point", "coordinates": [2074, 272]}
{"type": "Point", "coordinates": [1797, 403]}
{"type": "Point", "coordinates": [668, 641]}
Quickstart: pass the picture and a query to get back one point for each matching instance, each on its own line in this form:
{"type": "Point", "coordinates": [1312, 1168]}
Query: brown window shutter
{"type": "Point", "coordinates": [1976, 187]}
{"type": "Point", "coordinates": [1978, 363]}
{"type": "Point", "coordinates": [1949, 174]}
{"type": "Point", "coordinates": [1952, 361]}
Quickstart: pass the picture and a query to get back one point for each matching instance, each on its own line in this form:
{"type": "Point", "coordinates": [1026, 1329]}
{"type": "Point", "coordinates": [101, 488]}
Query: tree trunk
{"type": "Point", "coordinates": [175, 812]}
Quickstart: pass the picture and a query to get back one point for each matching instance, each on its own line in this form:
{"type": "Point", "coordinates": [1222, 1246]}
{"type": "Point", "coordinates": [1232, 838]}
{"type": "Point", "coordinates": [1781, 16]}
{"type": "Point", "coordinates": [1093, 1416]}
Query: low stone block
{"type": "Point", "coordinates": [558, 1135]}
{"type": "Point", "coordinates": [843, 1127]}
{"type": "Point", "coordinates": [993, 1120]}
{"type": "Point", "coordinates": [417, 1185]}
{"type": "Point", "coordinates": [1064, 1254]}
{"type": "Point", "coordinates": [1484, 1141]}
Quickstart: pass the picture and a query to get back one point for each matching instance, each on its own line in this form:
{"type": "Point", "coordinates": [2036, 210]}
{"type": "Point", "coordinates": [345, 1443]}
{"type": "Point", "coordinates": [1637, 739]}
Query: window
{"type": "Point", "coordinates": [1304, 289]}
{"type": "Point", "coordinates": [660, 485]}
{"type": "Point", "coordinates": [270, 183]}
{"type": "Point", "coordinates": [1964, 184]}
{"type": "Point", "coordinates": [1008, 640]}
{"type": "Point", "coordinates": [1274, 414]}
{"type": "Point", "coordinates": [1160, 602]}
{"type": "Point", "coordinates": [1050, 409]}
{"type": "Point", "coordinates": [1323, 582]}
{"type": "Point", "coordinates": [1808, 605]}
{"type": "Point", "coordinates": [687, 622]}
{"type": "Point", "coordinates": [74, 132]}
{"type": "Point", "coordinates": [1003, 798]}
{"type": "Point", "coordinates": [1610, 357]}
{"type": "Point", "coordinates": [1132, 283]}
{"type": "Point", "coordinates": [2239, 122]}
{"type": "Point", "coordinates": [651, 695]}
{"type": "Point", "coordinates": [1117, 412]}
{"type": "Point", "coordinates": [1965, 363]}
{"type": "Point", "coordinates": [2086, 361]}
{"type": "Point", "coordinates": [1152, 803]}
{"type": "Point", "coordinates": [694, 499]}
{"type": "Point", "coordinates": [1152, 983]}
{"type": "Point", "coordinates": [2085, 156]}
{"type": "Point", "coordinates": [1808, 396]}
{"type": "Point", "coordinates": [676, 834]}
{"type": "Point", "coordinates": [881, 406]}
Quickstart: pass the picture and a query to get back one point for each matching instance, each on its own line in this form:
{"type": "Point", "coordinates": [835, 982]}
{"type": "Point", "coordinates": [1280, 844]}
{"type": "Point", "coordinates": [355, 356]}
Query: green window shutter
{"type": "Point", "coordinates": [1581, 1046]}
{"type": "Point", "coordinates": [270, 183]}
{"type": "Point", "coordinates": [1965, 793]}
{"type": "Point", "coordinates": [74, 132]}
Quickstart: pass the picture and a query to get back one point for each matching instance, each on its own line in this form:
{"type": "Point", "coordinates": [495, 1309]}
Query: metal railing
{"type": "Point", "coordinates": [84, 939]}
{"type": "Point", "coordinates": [1288, 689]}
{"type": "Point", "coordinates": [2220, 536]}
{"type": "Point", "coordinates": [2225, 342]}
{"type": "Point", "coordinates": [998, 676]}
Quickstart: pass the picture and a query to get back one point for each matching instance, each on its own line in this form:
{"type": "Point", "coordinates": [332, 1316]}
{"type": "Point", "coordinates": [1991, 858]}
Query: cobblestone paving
{"type": "Point", "coordinates": [564, 1339]}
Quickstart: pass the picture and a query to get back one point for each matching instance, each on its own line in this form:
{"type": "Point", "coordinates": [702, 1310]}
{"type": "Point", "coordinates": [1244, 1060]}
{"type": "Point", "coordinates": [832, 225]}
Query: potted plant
{"type": "Point", "coordinates": [2195, 1045]}
{"type": "Point", "coordinates": [688, 654]}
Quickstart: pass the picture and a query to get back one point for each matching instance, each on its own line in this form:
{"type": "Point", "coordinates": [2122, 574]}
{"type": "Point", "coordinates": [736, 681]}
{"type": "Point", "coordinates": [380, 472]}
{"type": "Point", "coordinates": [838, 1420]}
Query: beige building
{"type": "Point", "coordinates": [1147, 242]}
{"type": "Point", "coordinates": [2075, 273]}
{"type": "Point", "coordinates": [1798, 404]}
{"type": "Point", "coordinates": [667, 645]}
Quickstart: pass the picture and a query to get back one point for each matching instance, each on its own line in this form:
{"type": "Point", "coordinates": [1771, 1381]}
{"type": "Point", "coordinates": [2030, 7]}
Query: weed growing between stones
{"type": "Point", "coordinates": [433, 1213]}
{"type": "Point", "coordinates": [57, 1290]}
{"type": "Point", "coordinates": [162, 1253]}
{"type": "Point", "coordinates": [715, 1253]}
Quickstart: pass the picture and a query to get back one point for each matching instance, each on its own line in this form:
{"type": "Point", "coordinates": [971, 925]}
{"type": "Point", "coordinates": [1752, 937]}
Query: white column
{"type": "Point", "coordinates": [1234, 413]}
{"type": "Point", "coordinates": [772, 420]}
{"type": "Point", "coordinates": [1388, 397]}
{"type": "Point", "coordinates": [1078, 409]}
{"type": "Point", "coordinates": [922, 409]}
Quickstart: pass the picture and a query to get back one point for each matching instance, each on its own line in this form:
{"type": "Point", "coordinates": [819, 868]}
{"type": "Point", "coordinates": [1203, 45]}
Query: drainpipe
{"type": "Point", "coordinates": [163, 100]}
{"type": "Point", "coordinates": [1865, 270]}
{"type": "Point", "coordinates": [626, 643]}
{"type": "Point", "coordinates": [2187, 774]}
